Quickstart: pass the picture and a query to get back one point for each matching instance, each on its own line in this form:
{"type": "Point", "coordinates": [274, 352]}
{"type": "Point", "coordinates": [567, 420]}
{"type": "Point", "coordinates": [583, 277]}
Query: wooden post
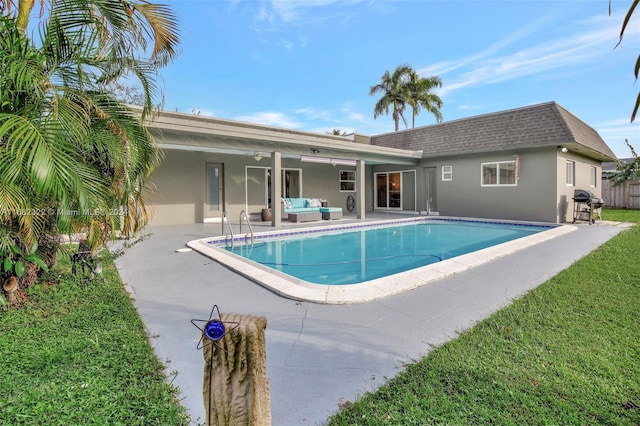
{"type": "Point", "coordinates": [10, 286]}
{"type": "Point", "coordinates": [236, 386]}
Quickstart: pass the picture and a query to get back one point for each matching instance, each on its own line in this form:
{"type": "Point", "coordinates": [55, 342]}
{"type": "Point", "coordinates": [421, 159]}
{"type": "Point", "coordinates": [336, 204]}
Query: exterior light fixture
{"type": "Point", "coordinates": [563, 149]}
{"type": "Point", "coordinates": [315, 151]}
{"type": "Point", "coordinates": [257, 156]}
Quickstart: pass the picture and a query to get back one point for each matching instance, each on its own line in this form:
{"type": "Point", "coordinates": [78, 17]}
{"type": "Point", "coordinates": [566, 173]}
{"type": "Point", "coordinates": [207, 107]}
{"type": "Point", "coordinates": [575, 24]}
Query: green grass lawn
{"type": "Point", "coordinates": [566, 353]}
{"type": "Point", "coordinates": [77, 353]}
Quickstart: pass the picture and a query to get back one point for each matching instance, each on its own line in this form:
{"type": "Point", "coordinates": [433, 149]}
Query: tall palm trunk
{"type": "Point", "coordinates": [24, 10]}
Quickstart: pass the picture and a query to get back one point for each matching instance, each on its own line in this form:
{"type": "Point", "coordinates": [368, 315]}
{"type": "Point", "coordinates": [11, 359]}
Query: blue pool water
{"type": "Point", "coordinates": [360, 255]}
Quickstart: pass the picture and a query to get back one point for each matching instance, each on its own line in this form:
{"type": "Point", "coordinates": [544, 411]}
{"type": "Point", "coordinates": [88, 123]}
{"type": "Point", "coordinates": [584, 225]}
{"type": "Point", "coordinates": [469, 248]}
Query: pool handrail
{"type": "Point", "coordinates": [226, 219]}
{"type": "Point", "coordinates": [243, 215]}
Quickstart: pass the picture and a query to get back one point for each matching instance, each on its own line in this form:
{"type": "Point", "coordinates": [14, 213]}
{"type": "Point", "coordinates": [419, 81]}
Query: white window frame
{"type": "Point", "coordinates": [497, 165]}
{"type": "Point", "coordinates": [570, 173]}
{"type": "Point", "coordinates": [593, 176]}
{"type": "Point", "coordinates": [447, 173]}
{"type": "Point", "coordinates": [347, 182]}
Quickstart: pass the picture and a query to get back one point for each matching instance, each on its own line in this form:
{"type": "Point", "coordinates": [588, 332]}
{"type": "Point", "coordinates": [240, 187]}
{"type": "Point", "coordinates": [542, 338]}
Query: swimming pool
{"type": "Point", "coordinates": [366, 261]}
{"type": "Point", "coordinates": [339, 258]}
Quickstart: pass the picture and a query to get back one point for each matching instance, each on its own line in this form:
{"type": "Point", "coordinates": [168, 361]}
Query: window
{"type": "Point", "coordinates": [347, 180]}
{"type": "Point", "coordinates": [593, 173]}
{"type": "Point", "coordinates": [447, 173]}
{"type": "Point", "coordinates": [500, 173]}
{"type": "Point", "coordinates": [571, 175]}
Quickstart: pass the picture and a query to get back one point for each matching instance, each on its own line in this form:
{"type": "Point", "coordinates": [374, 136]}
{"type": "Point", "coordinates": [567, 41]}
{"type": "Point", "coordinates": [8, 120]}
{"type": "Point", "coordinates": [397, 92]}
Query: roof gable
{"type": "Point", "coordinates": [539, 125]}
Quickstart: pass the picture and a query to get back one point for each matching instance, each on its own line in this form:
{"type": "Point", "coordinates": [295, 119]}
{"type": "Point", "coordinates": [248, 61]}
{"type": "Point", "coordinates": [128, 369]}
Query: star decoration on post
{"type": "Point", "coordinates": [213, 329]}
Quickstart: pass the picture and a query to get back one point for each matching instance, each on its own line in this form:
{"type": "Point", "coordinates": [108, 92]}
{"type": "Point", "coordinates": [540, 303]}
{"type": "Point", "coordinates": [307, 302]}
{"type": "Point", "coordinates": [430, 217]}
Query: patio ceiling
{"type": "Point", "coordinates": [205, 134]}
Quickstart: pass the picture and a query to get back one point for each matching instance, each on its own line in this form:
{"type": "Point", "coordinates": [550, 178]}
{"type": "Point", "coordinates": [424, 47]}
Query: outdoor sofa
{"type": "Point", "coordinates": [307, 210]}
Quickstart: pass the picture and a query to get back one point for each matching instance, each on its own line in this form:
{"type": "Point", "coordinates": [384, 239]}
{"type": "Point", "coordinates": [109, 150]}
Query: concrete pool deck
{"type": "Point", "coordinates": [319, 355]}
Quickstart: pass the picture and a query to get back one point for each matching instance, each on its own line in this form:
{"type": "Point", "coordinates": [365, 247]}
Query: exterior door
{"type": "Point", "coordinates": [215, 190]}
{"type": "Point", "coordinates": [430, 198]}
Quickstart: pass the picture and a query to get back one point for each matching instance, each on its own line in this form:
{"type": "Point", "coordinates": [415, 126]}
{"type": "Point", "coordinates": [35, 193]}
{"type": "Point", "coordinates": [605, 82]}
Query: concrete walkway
{"type": "Point", "coordinates": [320, 355]}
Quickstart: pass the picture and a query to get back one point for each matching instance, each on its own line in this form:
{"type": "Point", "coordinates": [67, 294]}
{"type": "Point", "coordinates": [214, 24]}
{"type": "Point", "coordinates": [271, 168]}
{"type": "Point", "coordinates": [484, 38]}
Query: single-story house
{"type": "Point", "coordinates": [520, 164]}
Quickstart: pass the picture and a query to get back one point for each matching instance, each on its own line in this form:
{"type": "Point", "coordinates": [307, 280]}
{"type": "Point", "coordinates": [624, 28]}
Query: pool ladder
{"type": "Point", "coordinates": [243, 216]}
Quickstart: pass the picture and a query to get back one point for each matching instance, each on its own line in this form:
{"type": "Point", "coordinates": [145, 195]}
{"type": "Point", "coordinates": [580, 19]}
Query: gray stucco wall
{"type": "Point", "coordinates": [180, 183]}
{"type": "Point", "coordinates": [541, 193]}
{"type": "Point", "coordinates": [582, 181]}
{"type": "Point", "coordinates": [532, 199]}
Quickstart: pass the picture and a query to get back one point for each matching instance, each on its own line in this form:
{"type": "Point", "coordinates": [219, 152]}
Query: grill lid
{"type": "Point", "coordinates": [582, 195]}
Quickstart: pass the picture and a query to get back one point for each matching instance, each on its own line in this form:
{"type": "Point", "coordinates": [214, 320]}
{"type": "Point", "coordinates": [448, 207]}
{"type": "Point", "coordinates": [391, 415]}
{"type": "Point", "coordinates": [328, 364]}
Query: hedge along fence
{"type": "Point", "coordinates": [624, 196]}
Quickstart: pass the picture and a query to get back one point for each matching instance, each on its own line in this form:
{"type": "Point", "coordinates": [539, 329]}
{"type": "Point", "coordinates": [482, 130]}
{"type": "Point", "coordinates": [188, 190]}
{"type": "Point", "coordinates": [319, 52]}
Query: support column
{"type": "Point", "coordinates": [360, 189]}
{"type": "Point", "coordinates": [276, 188]}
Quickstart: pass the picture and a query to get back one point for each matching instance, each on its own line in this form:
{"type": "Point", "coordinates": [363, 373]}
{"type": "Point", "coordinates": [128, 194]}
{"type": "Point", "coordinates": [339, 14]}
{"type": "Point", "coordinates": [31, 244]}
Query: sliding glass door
{"type": "Point", "coordinates": [389, 190]}
{"type": "Point", "coordinates": [396, 190]}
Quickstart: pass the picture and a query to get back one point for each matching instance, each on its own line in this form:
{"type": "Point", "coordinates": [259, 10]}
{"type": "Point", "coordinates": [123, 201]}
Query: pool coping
{"type": "Point", "coordinates": [297, 289]}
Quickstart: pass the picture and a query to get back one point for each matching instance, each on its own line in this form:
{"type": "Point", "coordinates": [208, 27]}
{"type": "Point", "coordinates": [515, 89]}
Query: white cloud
{"type": "Point", "coordinates": [354, 116]}
{"type": "Point", "coordinates": [276, 16]}
{"type": "Point", "coordinates": [267, 118]}
{"type": "Point", "coordinates": [616, 131]}
{"type": "Point", "coordinates": [583, 45]}
{"type": "Point", "coordinates": [293, 11]}
{"type": "Point", "coordinates": [333, 117]}
{"type": "Point", "coordinates": [445, 67]}
{"type": "Point", "coordinates": [312, 113]}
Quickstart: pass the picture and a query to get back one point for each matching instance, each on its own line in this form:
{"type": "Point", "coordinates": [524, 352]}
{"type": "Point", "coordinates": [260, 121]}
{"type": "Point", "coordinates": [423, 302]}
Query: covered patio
{"type": "Point", "coordinates": [214, 166]}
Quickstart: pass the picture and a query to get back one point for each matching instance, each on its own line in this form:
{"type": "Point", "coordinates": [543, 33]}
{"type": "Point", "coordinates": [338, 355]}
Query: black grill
{"type": "Point", "coordinates": [586, 206]}
{"type": "Point", "coordinates": [582, 196]}
{"type": "Point", "coordinates": [596, 203]}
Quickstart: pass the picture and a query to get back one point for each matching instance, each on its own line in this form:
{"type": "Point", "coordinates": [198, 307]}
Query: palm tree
{"type": "Point", "coordinates": [420, 96]}
{"type": "Point", "coordinates": [636, 70]}
{"type": "Point", "coordinates": [337, 132]}
{"type": "Point", "coordinates": [405, 87]}
{"type": "Point", "coordinates": [395, 94]}
{"type": "Point", "coordinates": [115, 31]}
{"type": "Point", "coordinates": [72, 155]}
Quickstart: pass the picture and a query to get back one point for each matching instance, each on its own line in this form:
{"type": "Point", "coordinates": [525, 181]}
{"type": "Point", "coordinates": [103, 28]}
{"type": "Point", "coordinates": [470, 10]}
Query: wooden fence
{"type": "Point", "coordinates": [625, 196]}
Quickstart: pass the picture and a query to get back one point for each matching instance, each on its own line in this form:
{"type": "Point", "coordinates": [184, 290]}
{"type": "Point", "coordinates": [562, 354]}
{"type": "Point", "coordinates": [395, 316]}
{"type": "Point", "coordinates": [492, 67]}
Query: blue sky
{"type": "Point", "coordinates": [309, 64]}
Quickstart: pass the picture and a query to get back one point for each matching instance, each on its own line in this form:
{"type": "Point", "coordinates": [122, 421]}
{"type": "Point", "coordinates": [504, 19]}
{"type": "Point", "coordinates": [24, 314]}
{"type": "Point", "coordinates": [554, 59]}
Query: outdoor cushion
{"type": "Point", "coordinates": [313, 202]}
{"type": "Point", "coordinates": [297, 203]}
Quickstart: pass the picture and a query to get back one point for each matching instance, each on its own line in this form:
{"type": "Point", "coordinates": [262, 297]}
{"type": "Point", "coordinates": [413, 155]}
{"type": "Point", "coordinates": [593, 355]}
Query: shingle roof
{"type": "Point", "coordinates": [532, 126]}
{"type": "Point", "coordinates": [612, 166]}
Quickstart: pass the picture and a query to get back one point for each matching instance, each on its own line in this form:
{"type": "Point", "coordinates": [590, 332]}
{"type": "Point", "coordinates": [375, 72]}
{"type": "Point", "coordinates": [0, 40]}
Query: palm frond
{"type": "Point", "coordinates": [161, 25]}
